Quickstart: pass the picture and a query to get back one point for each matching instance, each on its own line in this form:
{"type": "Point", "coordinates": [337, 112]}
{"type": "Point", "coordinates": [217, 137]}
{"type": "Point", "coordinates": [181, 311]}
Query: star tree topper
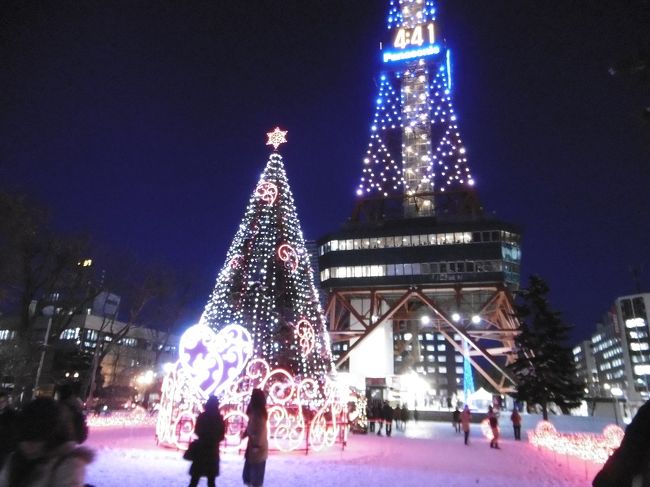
{"type": "Point", "coordinates": [276, 138]}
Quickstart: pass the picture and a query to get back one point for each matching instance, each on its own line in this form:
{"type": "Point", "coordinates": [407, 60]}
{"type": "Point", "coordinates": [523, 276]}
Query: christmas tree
{"type": "Point", "coordinates": [262, 327]}
{"type": "Point", "coordinates": [266, 283]}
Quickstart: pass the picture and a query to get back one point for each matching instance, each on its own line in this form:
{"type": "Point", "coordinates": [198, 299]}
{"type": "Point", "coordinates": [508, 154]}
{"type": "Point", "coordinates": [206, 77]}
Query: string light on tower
{"type": "Point", "coordinates": [415, 145]}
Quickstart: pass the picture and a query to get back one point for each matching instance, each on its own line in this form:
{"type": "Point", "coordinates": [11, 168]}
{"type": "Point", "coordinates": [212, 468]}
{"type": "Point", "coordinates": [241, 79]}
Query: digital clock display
{"type": "Point", "coordinates": [418, 36]}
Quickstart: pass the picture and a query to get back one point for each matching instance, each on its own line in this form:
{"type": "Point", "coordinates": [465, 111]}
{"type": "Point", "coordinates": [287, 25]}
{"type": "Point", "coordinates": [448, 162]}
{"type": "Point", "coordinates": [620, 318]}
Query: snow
{"type": "Point", "coordinates": [427, 453]}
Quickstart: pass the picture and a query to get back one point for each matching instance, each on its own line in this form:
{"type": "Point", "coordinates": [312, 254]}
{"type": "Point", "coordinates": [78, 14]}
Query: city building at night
{"type": "Point", "coordinates": [615, 361]}
{"type": "Point", "coordinates": [124, 355]}
{"type": "Point", "coordinates": [420, 278]}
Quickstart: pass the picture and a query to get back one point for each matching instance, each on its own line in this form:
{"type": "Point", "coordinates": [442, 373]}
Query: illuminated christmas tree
{"type": "Point", "coordinates": [266, 284]}
{"type": "Point", "coordinates": [262, 327]}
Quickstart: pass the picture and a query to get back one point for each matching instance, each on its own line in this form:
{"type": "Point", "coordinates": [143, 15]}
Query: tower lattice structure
{"type": "Point", "coordinates": [419, 258]}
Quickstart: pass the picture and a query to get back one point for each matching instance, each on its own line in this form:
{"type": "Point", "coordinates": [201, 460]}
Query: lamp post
{"type": "Point", "coordinates": [40, 364]}
{"type": "Point", "coordinates": [616, 393]}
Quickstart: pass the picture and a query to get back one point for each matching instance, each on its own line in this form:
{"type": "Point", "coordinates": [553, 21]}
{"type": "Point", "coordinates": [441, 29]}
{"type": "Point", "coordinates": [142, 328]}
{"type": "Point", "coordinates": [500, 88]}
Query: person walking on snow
{"type": "Point", "coordinates": [387, 413]}
{"type": "Point", "coordinates": [465, 418]}
{"type": "Point", "coordinates": [494, 426]}
{"type": "Point", "coordinates": [455, 420]}
{"type": "Point", "coordinates": [515, 417]}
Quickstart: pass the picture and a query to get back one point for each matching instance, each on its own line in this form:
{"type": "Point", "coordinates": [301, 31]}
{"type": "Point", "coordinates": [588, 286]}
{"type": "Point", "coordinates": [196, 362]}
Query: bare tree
{"type": "Point", "coordinates": [41, 273]}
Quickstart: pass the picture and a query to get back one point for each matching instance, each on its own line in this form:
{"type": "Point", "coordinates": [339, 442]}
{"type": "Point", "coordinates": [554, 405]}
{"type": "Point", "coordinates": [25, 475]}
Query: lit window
{"type": "Point", "coordinates": [7, 334]}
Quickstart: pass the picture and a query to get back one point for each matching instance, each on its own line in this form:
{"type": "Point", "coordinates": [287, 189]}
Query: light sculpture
{"type": "Point", "coordinates": [289, 256]}
{"type": "Point", "coordinates": [306, 336]}
{"type": "Point", "coordinates": [585, 446]}
{"type": "Point", "coordinates": [300, 414]}
{"type": "Point", "coordinates": [267, 192]}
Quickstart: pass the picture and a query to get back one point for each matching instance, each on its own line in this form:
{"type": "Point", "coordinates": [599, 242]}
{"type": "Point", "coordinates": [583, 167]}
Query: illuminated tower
{"type": "Point", "coordinates": [415, 154]}
{"type": "Point", "coordinates": [420, 279]}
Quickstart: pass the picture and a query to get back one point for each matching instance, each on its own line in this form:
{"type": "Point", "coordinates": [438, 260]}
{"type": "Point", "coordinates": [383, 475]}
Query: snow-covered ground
{"type": "Point", "coordinates": [427, 454]}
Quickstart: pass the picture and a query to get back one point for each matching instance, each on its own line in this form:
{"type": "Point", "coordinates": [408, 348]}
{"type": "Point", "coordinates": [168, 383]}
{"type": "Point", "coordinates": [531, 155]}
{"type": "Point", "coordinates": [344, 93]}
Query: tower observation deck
{"type": "Point", "coordinates": [420, 278]}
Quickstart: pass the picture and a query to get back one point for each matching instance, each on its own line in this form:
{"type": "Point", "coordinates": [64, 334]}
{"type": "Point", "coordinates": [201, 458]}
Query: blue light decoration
{"type": "Point", "coordinates": [396, 19]}
{"type": "Point", "coordinates": [391, 56]}
{"type": "Point", "coordinates": [423, 72]}
{"type": "Point", "coordinates": [468, 377]}
{"type": "Point", "coordinates": [449, 69]}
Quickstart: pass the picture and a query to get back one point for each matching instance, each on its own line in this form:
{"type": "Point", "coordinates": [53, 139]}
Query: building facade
{"type": "Point", "coordinates": [615, 362]}
{"type": "Point", "coordinates": [123, 355]}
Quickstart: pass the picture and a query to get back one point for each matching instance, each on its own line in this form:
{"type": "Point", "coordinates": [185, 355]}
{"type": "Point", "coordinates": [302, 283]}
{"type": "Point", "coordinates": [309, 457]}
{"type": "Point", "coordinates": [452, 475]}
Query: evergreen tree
{"type": "Point", "coordinates": [544, 369]}
{"type": "Point", "coordinates": [266, 283]}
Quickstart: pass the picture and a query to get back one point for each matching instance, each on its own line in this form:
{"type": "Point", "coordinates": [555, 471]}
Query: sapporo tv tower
{"type": "Point", "coordinates": [420, 279]}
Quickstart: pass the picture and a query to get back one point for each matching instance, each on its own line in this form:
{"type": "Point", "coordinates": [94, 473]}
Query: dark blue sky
{"type": "Point", "coordinates": [144, 122]}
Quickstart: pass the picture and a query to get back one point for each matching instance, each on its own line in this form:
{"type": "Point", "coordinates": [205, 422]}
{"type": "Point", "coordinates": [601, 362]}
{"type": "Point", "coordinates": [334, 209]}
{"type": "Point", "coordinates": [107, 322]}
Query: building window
{"type": "Point", "coordinates": [7, 335]}
{"type": "Point", "coordinates": [70, 334]}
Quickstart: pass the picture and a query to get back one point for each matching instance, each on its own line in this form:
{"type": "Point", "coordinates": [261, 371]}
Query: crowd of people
{"type": "Point", "coordinates": [40, 444]}
{"type": "Point", "coordinates": [381, 415]}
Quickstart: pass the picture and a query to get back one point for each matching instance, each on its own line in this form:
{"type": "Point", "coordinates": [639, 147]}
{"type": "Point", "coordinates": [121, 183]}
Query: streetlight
{"type": "Point", "coordinates": [616, 393]}
{"type": "Point", "coordinates": [45, 344]}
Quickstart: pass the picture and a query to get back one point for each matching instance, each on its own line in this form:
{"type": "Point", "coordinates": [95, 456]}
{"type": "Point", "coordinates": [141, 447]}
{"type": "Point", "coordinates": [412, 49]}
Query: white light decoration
{"type": "Point", "coordinates": [212, 359]}
{"type": "Point", "coordinates": [247, 337]}
{"type": "Point", "coordinates": [276, 138]}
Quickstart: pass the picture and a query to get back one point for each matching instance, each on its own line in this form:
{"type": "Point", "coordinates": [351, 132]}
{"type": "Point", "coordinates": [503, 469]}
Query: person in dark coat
{"type": "Point", "coordinates": [387, 414]}
{"type": "Point", "coordinates": [631, 461]}
{"type": "Point", "coordinates": [257, 449]}
{"type": "Point", "coordinates": [371, 417]}
{"type": "Point", "coordinates": [455, 420]}
{"type": "Point", "coordinates": [465, 418]}
{"type": "Point", "coordinates": [515, 417]}
{"type": "Point", "coordinates": [405, 416]}
{"type": "Point", "coordinates": [8, 431]}
{"type": "Point", "coordinates": [210, 431]}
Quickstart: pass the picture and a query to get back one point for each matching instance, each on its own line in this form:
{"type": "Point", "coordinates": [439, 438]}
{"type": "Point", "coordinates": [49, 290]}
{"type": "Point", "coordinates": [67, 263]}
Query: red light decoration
{"type": "Point", "coordinates": [289, 256]}
{"type": "Point", "coordinates": [236, 262]}
{"type": "Point", "coordinates": [306, 336]}
{"type": "Point", "coordinates": [267, 192]}
{"type": "Point", "coordinates": [586, 446]}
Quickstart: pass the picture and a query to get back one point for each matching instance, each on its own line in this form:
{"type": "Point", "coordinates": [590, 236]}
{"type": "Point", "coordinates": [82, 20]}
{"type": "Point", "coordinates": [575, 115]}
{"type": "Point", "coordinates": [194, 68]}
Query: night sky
{"type": "Point", "coordinates": [144, 124]}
